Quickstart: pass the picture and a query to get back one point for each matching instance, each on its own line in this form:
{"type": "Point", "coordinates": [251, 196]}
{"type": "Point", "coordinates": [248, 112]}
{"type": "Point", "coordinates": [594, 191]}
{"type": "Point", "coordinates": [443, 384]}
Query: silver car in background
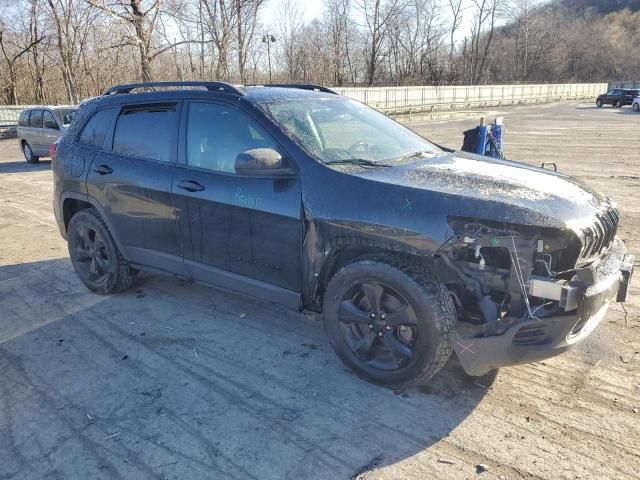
{"type": "Point", "coordinates": [39, 127]}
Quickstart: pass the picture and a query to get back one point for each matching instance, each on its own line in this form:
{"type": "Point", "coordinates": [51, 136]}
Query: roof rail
{"type": "Point", "coordinates": [304, 86]}
{"type": "Point", "coordinates": [211, 86]}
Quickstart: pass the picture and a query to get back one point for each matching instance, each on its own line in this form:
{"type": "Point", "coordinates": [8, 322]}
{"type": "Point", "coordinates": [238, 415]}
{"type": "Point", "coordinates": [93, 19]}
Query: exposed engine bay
{"type": "Point", "coordinates": [501, 274]}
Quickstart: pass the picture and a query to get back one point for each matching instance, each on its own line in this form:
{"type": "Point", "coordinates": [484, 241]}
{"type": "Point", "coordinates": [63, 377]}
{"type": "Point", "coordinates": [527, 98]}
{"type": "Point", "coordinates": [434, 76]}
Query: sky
{"type": "Point", "coordinates": [314, 9]}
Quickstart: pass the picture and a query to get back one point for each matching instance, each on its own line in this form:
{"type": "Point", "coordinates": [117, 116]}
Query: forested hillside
{"type": "Point", "coordinates": [568, 40]}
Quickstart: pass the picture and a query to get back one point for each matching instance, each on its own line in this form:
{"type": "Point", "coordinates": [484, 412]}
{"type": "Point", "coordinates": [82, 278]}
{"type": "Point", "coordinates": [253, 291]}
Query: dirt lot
{"type": "Point", "coordinates": [175, 380]}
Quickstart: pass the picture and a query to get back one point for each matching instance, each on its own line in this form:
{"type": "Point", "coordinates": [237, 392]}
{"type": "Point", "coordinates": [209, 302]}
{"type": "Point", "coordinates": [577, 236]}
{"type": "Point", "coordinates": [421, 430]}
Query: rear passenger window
{"type": "Point", "coordinates": [146, 132]}
{"type": "Point", "coordinates": [36, 119]}
{"type": "Point", "coordinates": [96, 128]}
{"type": "Point", "coordinates": [23, 121]}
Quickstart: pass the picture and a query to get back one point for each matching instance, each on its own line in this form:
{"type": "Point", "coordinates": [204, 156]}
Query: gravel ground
{"type": "Point", "coordinates": [175, 380]}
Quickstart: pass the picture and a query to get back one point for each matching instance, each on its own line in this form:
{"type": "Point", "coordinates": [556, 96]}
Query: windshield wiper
{"type": "Point", "coordinates": [361, 162]}
{"type": "Point", "coordinates": [407, 156]}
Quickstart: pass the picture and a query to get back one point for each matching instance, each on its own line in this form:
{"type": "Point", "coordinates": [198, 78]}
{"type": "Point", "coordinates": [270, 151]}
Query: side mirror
{"type": "Point", "coordinates": [261, 162]}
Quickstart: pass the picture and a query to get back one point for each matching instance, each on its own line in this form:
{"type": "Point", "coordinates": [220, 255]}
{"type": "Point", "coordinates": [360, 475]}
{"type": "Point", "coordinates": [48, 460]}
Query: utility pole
{"type": "Point", "coordinates": [268, 39]}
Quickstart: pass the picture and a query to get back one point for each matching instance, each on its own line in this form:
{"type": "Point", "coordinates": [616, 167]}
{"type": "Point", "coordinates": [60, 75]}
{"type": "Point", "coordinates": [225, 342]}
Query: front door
{"type": "Point", "coordinates": [131, 179]}
{"type": "Point", "coordinates": [238, 232]}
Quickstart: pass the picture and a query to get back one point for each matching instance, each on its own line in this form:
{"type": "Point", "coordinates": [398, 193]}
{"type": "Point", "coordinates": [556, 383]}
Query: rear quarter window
{"type": "Point", "coordinates": [146, 131]}
{"type": "Point", "coordinates": [97, 127]}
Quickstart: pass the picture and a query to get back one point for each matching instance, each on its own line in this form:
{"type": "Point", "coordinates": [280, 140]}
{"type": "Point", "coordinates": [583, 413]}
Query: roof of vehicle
{"type": "Point", "coordinates": [251, 93]}
{"type": "Point", "coordinates": [51, 107]}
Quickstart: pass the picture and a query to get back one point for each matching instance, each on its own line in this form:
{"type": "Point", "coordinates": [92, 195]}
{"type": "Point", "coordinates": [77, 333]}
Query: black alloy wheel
{"type": "Point", "coordinates": [95, 255]}
{"type": "Point", "coordinates": [389, 319]}
{"type": "Point", "coordinates": [378, 325]}
{"type": "Point", "coordinates": [91, 254]}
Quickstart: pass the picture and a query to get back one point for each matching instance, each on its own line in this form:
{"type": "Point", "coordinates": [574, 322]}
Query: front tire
{"type": "Point", "coordinates": [28, 153]}
{"type": "Point", "coordinates": [599, 103]}
{"type": "Point", "coordinates": [636, 107]}
{"type": "Point", "coordinates": [389, 320]}
{"type": "Point", "coordinates": [95, 255]}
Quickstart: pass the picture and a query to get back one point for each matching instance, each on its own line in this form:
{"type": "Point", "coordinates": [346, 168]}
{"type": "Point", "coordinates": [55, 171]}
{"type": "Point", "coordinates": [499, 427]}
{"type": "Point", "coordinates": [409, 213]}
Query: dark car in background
{"type": "Point", "coordinates": [617, 97]}
{"type": "Point", "coordinates": [299, 196]}
{"type": "Point", "coordinates": [40, 127]}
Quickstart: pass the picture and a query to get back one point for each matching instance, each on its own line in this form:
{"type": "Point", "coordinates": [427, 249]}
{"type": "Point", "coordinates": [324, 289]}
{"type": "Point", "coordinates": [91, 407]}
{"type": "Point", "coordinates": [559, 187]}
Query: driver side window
{"type": "Point", "coordinates": [217, 133]}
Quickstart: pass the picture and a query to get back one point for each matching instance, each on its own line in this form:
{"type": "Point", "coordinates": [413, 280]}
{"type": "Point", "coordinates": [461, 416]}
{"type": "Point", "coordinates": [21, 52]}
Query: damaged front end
{"type": "Point", "coordinates": [525, 293]}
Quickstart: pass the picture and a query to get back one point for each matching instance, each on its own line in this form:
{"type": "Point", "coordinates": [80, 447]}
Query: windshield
{"type": "Point", "coordinates": [338, 129]}
{"type": "Point", "coordinates": [66, 115]}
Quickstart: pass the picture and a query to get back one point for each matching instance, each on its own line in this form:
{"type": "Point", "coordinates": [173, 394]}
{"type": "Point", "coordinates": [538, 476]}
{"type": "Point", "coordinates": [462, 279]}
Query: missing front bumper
{"type": "Point", "coordinates": [533, 339]}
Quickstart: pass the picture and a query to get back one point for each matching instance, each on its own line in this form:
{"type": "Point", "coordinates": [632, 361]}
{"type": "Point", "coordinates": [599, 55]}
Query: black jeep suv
{"type": "Point", "coordinates": [299, 196]}
{"type": "Point", "coordinates": [617, 97]}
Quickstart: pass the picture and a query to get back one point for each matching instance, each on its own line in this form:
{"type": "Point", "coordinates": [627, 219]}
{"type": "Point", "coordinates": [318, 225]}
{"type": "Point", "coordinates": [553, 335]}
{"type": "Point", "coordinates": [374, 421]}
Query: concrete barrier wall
{"type": "Point", "coordinates": [451, 97]}
{"type": "Point", "coordinates": [630, 84]}
{"type": "Point", "coordinates": [9, 114]}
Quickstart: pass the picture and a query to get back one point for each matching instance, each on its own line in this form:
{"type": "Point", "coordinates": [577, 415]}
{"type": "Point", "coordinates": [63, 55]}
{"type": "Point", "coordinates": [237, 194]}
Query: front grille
{"type": "Point", "coordinates": [599, 235]}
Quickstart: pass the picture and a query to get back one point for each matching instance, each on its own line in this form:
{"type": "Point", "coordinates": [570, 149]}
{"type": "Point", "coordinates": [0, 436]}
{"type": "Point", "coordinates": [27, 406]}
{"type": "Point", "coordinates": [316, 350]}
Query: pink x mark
{"type": "Point", "coordinates": [465, 348]}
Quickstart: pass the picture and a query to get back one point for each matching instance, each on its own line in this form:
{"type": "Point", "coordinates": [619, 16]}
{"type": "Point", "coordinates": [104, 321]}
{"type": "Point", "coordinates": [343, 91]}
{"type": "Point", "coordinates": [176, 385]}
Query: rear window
{"type": "Point", "coordinates": [23, 121]}
{"type": "Point", "coordinates": [35, 120]}
{"type": "Point", "coordinates": [146, 131]}
{"type": "Point", "coordinates": [96, 129]}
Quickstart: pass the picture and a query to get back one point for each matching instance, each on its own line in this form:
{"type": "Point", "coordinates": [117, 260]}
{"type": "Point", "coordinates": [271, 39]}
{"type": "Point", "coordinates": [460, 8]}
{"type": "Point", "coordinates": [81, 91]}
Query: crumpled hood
{"type": "Point", "coordinates": [560, 200]}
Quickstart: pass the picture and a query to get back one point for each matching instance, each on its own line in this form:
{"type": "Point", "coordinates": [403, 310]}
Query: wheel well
{"type": "Point", "coordinates": [352, 252]}
{"type": "Point", "coordinates": [70, 207]}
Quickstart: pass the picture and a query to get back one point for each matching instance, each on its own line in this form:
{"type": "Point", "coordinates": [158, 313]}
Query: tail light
{"type": "Point", "coordinates": [52, 150]}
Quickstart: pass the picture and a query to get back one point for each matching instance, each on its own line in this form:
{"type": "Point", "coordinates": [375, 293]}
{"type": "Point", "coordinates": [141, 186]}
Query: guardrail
{"type": "Point", "coordinates": [398, 99]}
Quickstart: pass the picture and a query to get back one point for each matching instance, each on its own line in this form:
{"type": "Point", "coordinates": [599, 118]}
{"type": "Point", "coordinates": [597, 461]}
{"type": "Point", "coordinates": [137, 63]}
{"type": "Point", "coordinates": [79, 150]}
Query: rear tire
{"type": "Point", "coordinates": [95, 255]}
{"type": "Point", "coordinates": [28, 153]}
{"type": "Point", "coordinates": [618, 104]}
{"type": "Point", "coordinates": [389, 320]}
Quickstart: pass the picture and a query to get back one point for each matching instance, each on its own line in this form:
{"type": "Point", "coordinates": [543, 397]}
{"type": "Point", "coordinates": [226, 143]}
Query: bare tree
{"type": "Point", "coordinates": [246, 17]}
{"type": "Point", "coordinates": [337, 22]}
{"type": "Point", "coordinates": [456, 19]}
{"type": "Point", "coordinates": [12, 50]}
{"type": "Point", "coordinates": [140, 19]}
{"type": "Point", "coordinates": [378, 16]}
{"type": "Point", "coordinates": [220, 21]}
{"type": "Point", "coordinates": [486, 12]}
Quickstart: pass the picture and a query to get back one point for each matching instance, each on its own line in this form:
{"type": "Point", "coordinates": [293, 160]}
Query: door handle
{"type": "Point", "coordinates": [190, 186]}
{"type": "Point", "coordinates": [103, 169]}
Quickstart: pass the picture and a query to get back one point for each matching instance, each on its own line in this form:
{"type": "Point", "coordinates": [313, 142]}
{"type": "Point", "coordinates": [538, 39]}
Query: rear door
{"type": "Point", "coordinates": [34, 132]}
{"type": "Point", "coordinates": [23, 125]}
{"type": "Point", "coordinates": [131, 180]}
{"type": "Point", "coordinates": [50, 129]}
{"type": "Point", "coordinates": [239, 232]}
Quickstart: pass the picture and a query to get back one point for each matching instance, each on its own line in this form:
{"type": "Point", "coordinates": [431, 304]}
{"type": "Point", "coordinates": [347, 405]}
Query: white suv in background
{"type": "Point", "coordinates": [636, 104]}
{"type": "Point", "coordinates": [39, 127]}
